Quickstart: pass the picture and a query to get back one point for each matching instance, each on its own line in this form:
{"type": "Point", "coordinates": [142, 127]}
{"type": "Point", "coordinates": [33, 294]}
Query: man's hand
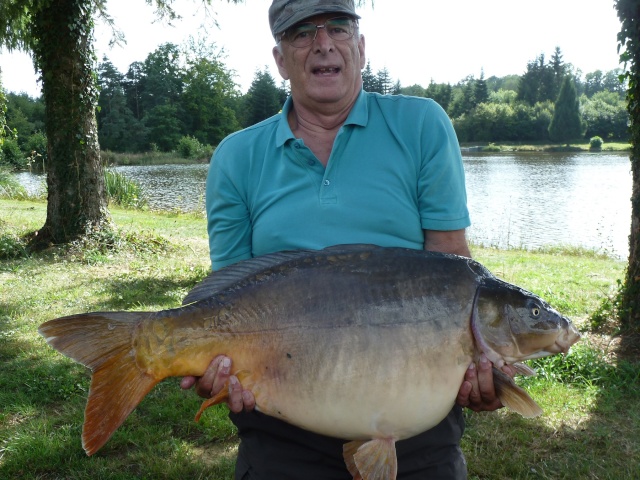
{"type": "Point", "coordinates": [213, 381]}
{"type": "Point", "coordinates": [477, 391]}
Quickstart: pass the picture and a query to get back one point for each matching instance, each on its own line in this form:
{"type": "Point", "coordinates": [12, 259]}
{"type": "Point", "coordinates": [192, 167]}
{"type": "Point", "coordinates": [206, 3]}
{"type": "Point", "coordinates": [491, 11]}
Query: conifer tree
{"type": "Point", "coordinates": [566, 123]}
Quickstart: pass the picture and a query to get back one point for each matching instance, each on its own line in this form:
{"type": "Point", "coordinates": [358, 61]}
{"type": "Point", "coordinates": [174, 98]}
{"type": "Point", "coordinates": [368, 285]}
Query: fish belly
{"type": "Point", "coordinates": [357, 382]}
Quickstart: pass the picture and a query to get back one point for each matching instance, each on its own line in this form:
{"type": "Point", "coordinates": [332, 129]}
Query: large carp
{"type": "Point", "coordinates": [358, 342]}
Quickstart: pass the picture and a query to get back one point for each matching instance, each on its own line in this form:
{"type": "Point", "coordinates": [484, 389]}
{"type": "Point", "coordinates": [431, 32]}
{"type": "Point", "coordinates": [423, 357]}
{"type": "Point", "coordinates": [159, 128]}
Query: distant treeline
{"type": "Point", "coordinates": [186, 100]}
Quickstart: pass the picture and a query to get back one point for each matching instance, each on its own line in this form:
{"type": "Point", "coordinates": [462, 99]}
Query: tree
{"type": "Point", "coordinates": [539, 82]}
{"type": "Point", "coordinates": [369, 81]}
{"type": "Point", "coordinates": [480, 90]}
{"type": "Point", "coordinates": [207, 112]}
{"type": "Point", "coordinates": [118, 129]}
{"type": "Point", "coordinates": [263, 98]}
{"type": "Point", "coordinates": [566, 123]}
{"type": "Point", "coordinates": [629, 40]}
{"type": "Point", "coordinates": [384, 83]}
{"type": "Point", "coordinates": [59, 35]}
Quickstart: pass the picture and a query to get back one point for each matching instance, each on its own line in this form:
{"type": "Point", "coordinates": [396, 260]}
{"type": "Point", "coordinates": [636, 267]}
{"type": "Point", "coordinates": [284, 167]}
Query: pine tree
{"type": "Point", "coordinates": [566, 123]}
{"type": "Point", "coordinates": [263, 98]}
{"type": "Point", "coordinates": [369, 79]}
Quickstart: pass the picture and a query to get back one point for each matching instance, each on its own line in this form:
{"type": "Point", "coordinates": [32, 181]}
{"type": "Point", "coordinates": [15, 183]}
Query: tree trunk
{"type": "Point", "coordinates": [629, 39]}
{"type": "Point", "coordinates": [77, 203]}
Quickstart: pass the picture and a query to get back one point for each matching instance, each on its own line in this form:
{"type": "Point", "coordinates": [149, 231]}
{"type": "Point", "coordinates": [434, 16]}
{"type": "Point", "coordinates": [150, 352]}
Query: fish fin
{"type": "Point", "coordinates": [513, 396]}
{"type": "Point", "coordinates": [103, 343]}
{"type": "Point", "coordinates": [232, 274]}
{"type": "Point", "coordinates": [348, 451]}
{"type": "Point", "coordinates": [222, 396]}
{"type": "Point", "coordinates": [373, 460]}
{"type": "Point", "coordinates": [253, 267]}
{"type": "Point", "coordinates": [524, 369]}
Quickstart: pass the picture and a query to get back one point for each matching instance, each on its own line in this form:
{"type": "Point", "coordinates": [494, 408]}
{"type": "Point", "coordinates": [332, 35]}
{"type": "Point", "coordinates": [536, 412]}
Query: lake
{"type": "Point", "coordinates": [516, 199]}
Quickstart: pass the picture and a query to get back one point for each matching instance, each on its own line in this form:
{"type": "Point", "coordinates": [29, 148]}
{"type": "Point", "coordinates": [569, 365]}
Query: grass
{"type": "Point", "coordinates": [589, 429]}
{"type": "Point", "coordinates": [577, 146]}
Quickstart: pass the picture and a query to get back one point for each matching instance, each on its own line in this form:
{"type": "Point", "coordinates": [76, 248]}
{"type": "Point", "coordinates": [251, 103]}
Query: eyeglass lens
{"type": "Point", "coordinates": [303, 34]}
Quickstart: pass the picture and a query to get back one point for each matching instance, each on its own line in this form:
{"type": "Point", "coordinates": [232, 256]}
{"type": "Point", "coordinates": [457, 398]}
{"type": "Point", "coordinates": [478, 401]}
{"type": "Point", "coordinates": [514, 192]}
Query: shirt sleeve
{"type": "Point", "coordinates": [442, 196]}
{"type": "Point", "coordinates": [229, 223]}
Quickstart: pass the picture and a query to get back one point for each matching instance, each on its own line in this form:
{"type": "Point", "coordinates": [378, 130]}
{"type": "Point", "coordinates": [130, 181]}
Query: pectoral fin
{"type": "Point", "coordinates": [372, 460]}
{"type": "Point", "coordinates": [514, 397]}
{"type": "Point", "coordinates": [222, 396]}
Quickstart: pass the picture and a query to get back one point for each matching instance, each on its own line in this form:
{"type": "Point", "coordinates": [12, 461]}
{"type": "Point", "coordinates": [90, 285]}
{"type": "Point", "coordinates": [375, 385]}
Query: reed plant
{"type": "Point", "coordinates": [123, 191]}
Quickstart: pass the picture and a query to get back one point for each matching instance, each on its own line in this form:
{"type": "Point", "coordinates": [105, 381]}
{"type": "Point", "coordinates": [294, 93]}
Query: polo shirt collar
{"type": "Point", "coordinates": [358, 115]}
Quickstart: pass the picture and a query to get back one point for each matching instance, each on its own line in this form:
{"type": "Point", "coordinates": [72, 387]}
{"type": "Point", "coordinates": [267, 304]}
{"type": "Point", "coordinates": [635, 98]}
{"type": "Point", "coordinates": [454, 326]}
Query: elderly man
{"type": "Point", "coordinates": [337, 165]}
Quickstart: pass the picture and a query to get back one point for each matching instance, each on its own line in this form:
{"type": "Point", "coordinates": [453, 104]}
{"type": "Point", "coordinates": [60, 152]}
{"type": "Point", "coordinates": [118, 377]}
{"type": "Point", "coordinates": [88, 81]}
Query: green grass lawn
{"type": "Point", "coordinates": [589, 429]}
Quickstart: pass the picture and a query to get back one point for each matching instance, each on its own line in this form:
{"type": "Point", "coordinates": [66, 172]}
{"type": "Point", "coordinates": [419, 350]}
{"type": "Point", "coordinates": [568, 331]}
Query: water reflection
{"type": "Point", "coordinates": [540, 199]}
{"type": "Point", "coordinates": [516, 200]}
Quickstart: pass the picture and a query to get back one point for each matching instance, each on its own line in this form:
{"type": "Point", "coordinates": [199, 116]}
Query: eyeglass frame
{"type": "Point", "coordinates": [352, 21]}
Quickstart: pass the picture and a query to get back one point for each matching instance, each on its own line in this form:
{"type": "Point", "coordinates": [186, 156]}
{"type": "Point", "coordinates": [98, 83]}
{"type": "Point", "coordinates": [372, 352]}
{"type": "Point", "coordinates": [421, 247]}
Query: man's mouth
{"type": "Point", "coordinates": [326, 70]}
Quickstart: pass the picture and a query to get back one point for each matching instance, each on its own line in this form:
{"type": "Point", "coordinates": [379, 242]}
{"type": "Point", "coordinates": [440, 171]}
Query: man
{"type": "Point", "coordinates": [337, 165]}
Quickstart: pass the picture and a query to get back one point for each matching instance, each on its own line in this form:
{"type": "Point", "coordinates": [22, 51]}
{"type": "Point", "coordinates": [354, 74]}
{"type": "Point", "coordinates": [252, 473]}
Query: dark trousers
{"type": "Point", "coordinates": [273, 450]}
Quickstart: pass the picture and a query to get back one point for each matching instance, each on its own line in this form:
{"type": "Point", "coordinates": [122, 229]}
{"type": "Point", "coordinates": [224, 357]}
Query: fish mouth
{"type": "Point", "coordinates": [566, 339]}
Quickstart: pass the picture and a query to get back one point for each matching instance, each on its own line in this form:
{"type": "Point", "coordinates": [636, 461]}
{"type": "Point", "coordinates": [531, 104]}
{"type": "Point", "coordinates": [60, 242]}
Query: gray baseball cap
{"type": "Point", "coordinates": [285, 13]}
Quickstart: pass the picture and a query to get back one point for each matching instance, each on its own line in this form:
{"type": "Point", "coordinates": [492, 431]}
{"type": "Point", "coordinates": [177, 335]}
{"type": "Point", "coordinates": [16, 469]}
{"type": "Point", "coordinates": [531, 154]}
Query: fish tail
{"type": "Point", "coordinates": [103, 342]}
{"type": "Point", "coordinates": [514, 397]}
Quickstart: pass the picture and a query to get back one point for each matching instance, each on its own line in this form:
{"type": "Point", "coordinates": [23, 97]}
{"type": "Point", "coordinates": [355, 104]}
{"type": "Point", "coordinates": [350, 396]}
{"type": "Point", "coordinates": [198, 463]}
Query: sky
{"type": "Point", "coordinates": [415, 40]}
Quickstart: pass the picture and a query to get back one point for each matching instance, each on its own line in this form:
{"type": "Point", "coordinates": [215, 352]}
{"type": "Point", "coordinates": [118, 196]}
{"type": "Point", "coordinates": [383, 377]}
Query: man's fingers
{"type": "Point", "coordinates": [214, 378]}
{"type": "Point", "coordinates": [485, 380]}
{"type": "Point", "coordinates": [187, 382]}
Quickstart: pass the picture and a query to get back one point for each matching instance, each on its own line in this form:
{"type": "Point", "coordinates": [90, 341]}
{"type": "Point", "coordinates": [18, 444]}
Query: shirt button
{"type": "Point", "coordinates": [311, 163]}
{"type": "Point", "coordinates": [327, 183]}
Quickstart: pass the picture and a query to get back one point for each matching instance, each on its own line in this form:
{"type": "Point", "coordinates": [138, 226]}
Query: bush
{"type": "Point", "coordinates": [36, 150]}
{"type": "Point", "coordinates": [595, 143]}
{"type": "Point", "coordinates": [11, 155]}
{"type": "Point", "coordinates": [190, 147]}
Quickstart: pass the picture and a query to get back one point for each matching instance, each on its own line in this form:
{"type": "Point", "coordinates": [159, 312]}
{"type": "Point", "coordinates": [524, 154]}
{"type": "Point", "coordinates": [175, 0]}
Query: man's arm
{"type": "Point", "coordinates": [477, 391]}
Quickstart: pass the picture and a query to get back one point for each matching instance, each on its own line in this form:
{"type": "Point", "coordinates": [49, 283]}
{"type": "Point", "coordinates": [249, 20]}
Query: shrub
{"type": "Point", "coordinates": [190, 147]}
{"type": "Point", "coordinates": [11, 155]}
{"type": "Point", "coordinates": [595, 143]}
{"type": "Point", "coordinates": [36, 150]}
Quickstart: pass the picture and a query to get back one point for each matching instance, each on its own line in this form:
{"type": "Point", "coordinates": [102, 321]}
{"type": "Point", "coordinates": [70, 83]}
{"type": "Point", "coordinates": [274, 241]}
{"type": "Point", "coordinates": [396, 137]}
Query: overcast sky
{"type": "Point", "coordinates": [416, 40]}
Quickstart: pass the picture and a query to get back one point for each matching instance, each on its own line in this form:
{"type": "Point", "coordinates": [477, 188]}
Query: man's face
{"type": "Point", "coordinates": [327, 71]}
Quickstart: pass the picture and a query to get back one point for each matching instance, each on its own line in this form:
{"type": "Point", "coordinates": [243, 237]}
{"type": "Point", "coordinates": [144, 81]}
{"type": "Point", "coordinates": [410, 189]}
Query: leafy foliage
{"type": "Point", "coordinates": [629, 41]}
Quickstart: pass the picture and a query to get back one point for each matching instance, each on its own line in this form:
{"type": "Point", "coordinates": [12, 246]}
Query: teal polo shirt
{"type": "Point", "coordinates": [394, 170]}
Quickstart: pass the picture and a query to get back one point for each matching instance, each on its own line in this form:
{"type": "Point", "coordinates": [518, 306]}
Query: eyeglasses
{"type": "Point", "coordinates": [303, 34]}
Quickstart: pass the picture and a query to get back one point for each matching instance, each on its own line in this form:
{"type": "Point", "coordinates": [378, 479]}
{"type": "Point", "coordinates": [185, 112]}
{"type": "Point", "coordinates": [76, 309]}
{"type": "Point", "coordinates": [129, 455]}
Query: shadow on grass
{"type": "Point", "coordinates": [589, 428]}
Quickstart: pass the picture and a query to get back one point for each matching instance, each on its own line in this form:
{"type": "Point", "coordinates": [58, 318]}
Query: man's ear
{"type": "Point", "coordinates": [361, 49]}
{"type": "Point", "coordinates": [278, 56]}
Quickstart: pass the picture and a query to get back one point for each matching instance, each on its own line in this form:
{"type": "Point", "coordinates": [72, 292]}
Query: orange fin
{"type": "Point", "coordinates": [372, 460]}
{"type": "Point", "coordinates": [513, 396]}
{"type": "Point", "coordinates": [103, 343]}
{"type": "Point", "coordinates": [222, 396]}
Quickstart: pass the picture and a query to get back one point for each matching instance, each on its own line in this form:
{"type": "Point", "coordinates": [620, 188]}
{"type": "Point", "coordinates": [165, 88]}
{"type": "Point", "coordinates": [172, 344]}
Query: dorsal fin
{"type": "Point", "coordinates": [228, 276]}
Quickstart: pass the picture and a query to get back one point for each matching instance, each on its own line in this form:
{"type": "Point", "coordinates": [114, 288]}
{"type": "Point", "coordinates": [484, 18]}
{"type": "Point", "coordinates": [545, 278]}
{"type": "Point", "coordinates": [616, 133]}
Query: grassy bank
{"type": "Point", "coordinates": [581, 146]}
{"type": "Point", "coordinates": [589, 429]}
